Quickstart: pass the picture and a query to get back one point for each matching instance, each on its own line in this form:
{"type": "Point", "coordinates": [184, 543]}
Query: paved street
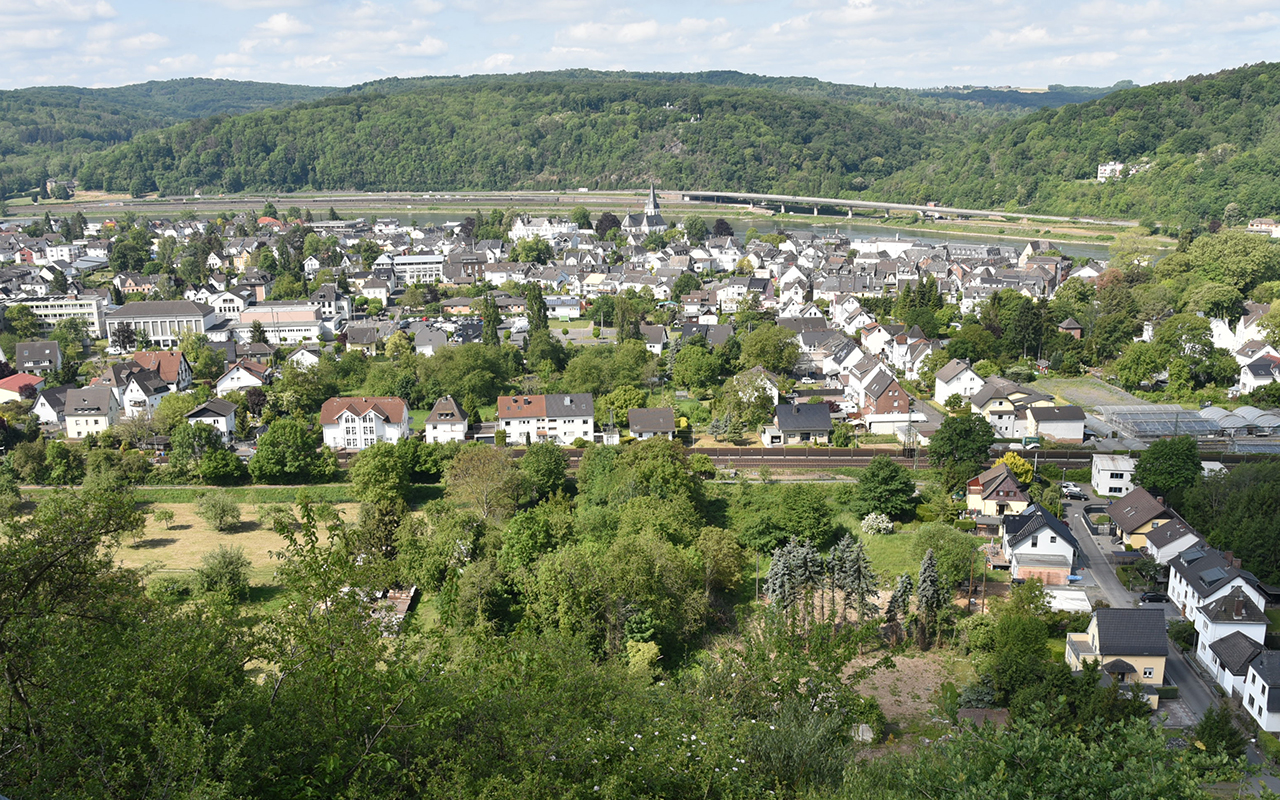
{"type": "Point", "coordinates": [1093, 561]}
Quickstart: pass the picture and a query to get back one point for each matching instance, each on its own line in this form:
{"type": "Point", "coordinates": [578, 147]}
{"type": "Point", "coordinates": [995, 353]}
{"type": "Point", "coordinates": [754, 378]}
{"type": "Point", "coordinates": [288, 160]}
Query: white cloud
{"type": "Point", "coordinates": [606, 33]}
{"type": "Point", "coordinates": [174, 65]}
{"type": "Point", "coordinates": [427, 46]}
{"type": "Point", "coordinates": [60, 10]}
{"type": "Point", "coordinates": [283, 24]}
{"type": "Point", "coordinates": [497, 61]}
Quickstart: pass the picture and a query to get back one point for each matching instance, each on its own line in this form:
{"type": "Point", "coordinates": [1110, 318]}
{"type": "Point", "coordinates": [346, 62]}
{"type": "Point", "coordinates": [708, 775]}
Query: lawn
{"type": "Point", "coordinates": [891, 555]}
{"type": "Point", "coordinates": [180, 546]}
{"type": "Point", "coordinates": [1273, 614]}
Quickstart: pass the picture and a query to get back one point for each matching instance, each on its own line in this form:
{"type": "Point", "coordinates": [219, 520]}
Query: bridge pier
{"type": "Point", "coordinates": [815, 211]}
{"type": "Point", "coordinates": [783, 206]}
{"type": "Point", "coordinates": [850, 212]}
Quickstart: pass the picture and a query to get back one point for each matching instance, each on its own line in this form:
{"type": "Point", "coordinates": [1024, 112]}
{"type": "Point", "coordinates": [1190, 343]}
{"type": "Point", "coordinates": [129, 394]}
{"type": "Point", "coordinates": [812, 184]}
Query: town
{"type": "Point", "coordinates": [953, 440]}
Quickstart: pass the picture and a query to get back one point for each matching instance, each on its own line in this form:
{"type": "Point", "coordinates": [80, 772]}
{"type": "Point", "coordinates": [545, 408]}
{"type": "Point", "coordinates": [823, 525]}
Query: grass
{"type": "Point", "coordinates": [180, 546]}
{"type": "Point", "coordinates": [1273, 614]}
{"type": "Point", "coordinates": [1057, 649]}
{"type": "Point", "coordinates": [891, 555]}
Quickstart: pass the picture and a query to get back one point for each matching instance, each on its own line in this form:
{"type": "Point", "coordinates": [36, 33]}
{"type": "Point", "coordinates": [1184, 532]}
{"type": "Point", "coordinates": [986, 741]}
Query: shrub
{"type": "Point", "coordinates": [1082, 475]}
{"type": "Point", "coordinates": [1167, 692]}
{"type": "Point", "coordinates": [225, 570]}
{"type": "Point", "coordinates": [1269, 745]}
{"type": "Point", "coordinates": [220, 511]}
{"type": "Point", "coordinates": [169, 589]}
{"type": "Point", "coordinates": [1183, 634]}
{"type": "Point", "coordinates": [965, 525]}
{"type": "Point", "coordinates": [876, 524]}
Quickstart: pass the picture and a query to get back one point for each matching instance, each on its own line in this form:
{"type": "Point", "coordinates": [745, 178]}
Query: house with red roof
{"type": "Point", "coordinates": [11, 388]}
{"type": "Point", "coordinates": [354, 423]}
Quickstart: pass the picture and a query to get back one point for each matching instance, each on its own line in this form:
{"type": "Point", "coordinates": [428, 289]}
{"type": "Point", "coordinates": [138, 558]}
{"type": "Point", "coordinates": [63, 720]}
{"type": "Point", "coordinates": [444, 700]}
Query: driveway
{"type": "Point", "coordinates": [1093, 561]}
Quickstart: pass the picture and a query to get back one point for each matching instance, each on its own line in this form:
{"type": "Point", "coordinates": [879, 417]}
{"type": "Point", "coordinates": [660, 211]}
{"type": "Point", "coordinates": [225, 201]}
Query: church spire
{"type": "Point", "coordinates": [651, 206]}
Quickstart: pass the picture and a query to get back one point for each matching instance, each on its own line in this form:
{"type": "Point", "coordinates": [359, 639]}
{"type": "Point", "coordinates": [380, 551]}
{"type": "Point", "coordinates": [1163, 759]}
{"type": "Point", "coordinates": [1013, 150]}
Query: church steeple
{"type": "Point", "coordinates": [651, 206]}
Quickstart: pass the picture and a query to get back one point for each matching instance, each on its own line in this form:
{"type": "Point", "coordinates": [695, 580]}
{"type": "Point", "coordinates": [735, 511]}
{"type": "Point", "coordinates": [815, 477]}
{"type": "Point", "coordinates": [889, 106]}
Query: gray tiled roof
{"type": "Point", "coordinates": [803, 417]}
{"type": "Point", "coordinates": [1033, 520]}
{"type": "Point", "coordinates": [1224, 609]}
{"type": "Point", "coordinates": [651, 420]}
{"type": "Point", "coordinates": [1235, 651]}
{"type": "Point", "coordinates": [1136, 509]}
{"type": "Point", "coordinates": [1267, 665]}
{"type": "Point", "coordinates": [1131, 631]}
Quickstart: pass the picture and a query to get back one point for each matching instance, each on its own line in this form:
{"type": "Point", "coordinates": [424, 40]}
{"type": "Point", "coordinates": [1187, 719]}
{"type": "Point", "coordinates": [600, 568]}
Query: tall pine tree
{"type": "Point", "coordinates": [930, 596]}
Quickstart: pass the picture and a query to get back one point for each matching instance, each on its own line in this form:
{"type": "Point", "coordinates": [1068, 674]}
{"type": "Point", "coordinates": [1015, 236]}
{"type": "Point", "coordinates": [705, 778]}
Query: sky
{"type": "Point", "coordinates": [908, 43]}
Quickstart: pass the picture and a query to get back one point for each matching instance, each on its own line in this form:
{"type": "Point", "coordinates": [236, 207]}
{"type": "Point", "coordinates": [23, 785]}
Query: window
{"type": "Point", "coordinates": [1148, 672]}
{"type": "Point", "coordinates": [1053, 540]}
{"type": "Point", "coordinates": [1035, 541]}
{"type": "Point", "coordinates": [1117, 476]}
{"type": "Point", "coordinates": [1115, 490]}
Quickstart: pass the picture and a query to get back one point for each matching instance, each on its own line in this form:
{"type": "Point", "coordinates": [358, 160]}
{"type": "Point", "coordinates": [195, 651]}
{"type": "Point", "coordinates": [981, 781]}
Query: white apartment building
{"type": "Point", "coordinates": [164, 321]}
{"type": "Point", "coordinates": [1113, 474]}
{"type": "Point", "coordinates": [447, 422]}
{"type": "Point", "coordinates": [558, 418]}
{"type": "Point", "coordinates": [418, 268]}
{"type": "Point", "coordinates": [354, 423]}
{"type": "Point", "coordinates": [53, 308]}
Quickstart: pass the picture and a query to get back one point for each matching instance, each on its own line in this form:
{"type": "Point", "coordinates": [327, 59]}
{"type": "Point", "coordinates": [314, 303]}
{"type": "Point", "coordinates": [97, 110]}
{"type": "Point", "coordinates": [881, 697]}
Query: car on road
{"type": "Point", "coordinates": [1153, 597]}
{"type": "Point", "coordinates": [1072, 491]}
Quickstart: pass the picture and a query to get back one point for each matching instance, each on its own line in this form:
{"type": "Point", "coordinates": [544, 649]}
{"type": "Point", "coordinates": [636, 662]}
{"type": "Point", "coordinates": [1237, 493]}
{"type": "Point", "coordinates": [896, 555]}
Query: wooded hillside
{"type": "Point", "coordinates": [1209, 140]}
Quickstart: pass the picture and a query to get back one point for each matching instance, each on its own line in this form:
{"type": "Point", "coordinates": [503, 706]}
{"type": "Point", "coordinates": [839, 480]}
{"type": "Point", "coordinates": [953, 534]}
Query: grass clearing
{"type": "Point", "coordinates": [1273, 614]}
{"type": "Point", "coordinates": [179, 547]}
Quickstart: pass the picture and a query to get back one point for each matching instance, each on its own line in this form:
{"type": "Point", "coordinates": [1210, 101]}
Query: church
{"type": "Point", "coordinates": [649, 222]}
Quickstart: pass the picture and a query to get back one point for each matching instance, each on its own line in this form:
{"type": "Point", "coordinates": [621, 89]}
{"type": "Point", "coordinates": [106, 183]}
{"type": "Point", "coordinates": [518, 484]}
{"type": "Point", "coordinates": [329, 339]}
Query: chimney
{"type": "Point", "coordinates": [795, 409]}
{"type": "Point", "coordinates": [1235, 562]}
{"type": "Point", "coordinates": [1239, 609]}
{"type": "Point", "coordinates": [1161, 501]}
{"type": "Point", "coordinates": [1227, 555]}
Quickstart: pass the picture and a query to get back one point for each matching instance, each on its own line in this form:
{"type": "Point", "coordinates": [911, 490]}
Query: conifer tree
{"type": "Point", "coordinates": [930, 595]}
{"type": "Point", "coordinates": [899, 607]}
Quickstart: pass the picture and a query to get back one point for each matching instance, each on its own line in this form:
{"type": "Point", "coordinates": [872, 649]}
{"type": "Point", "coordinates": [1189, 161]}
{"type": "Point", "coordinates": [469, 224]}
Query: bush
{"type": "Point", "coordinates": [1167, 692]}
{"type": "Point", "coordinates": [220, 511]}
{"type": "Point", "coordinates": [1183, 634]}
{"type": "Point", "coordinates": [1269, 745]}
{"type": "Point", "coordinates": [169, 589]}
{"type": "Point", "coordinates": [965, 525]}
{"type": "Point", "coordinates": [876, 525]}
{"type": "Point", "coordinates": [1082, 475]}
{"type": "Point", "coordinates": [225, 570]}
{"type": "Point", "coordinates": [163, 516]}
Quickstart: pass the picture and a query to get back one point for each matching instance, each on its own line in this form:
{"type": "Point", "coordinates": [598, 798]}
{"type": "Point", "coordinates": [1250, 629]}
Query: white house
{"type": "Point", "coordinates": [1202, 574]}
{"type": "Point", "coordinates": [143, 391]}
{"type": "Point", "coordinates": [1113, 474]}
{"type": "Point", "coordinates": [646, 423]}
{"type": "Point", "coordinates": [1056, 423]}
{"type": "Point", "coordinates": [304, 357]}
{"type": "Point", "coordinates": [354, 423]}
{"type": "Point", "coordinates": [242, 375]}
{"type": "Point", "coordinates": [1262, 690]}
{"type": "Point", "coordinates": [219, 413]}
{"type": "Point", "coordinates": [1229, 659]}
{"type": "Point", "coordinates": [1234, 612]}
{"type": "Point", "coordinates": [1038, 545]}
{"type": "Point", "coordinates": [50, 404]}
{"type": "Point", "coordinates": [1166, 541]}
{"type": "Point", "coordinates": [428, 341]}
{"type": "Point", "coordinates": [655, 338]}
{"type": "Point", "coordinates": [447, 422]}
{"type": "Point", "coordinates": [90, 410]}
{"type": "Point", "coordinates": [558, 418]}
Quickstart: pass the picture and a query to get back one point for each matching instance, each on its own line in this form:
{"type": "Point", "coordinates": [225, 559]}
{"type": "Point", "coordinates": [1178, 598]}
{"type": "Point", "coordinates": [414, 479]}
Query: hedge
{"type": "Point", "coordinates": [1081, 475]}
{"type": "Point", "coordinates": [966, 525]}
{"type": "Point", "coordinates": [1167, 692]}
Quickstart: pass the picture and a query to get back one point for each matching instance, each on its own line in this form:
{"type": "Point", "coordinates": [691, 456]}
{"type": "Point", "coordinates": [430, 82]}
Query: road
{"type": "Point", "coordinates": [1093, 560]}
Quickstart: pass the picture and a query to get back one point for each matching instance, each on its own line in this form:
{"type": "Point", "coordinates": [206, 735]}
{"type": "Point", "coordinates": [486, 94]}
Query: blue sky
{"type": "Point", "coordinates": [910, 43]}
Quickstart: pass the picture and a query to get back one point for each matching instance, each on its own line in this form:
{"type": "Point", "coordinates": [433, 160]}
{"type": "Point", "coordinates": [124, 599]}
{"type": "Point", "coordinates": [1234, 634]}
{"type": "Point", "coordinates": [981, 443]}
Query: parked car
{"type": "Point", "coordinates": [1074, 494]}
{"type": "Point", "coordinates": [1154, 597]}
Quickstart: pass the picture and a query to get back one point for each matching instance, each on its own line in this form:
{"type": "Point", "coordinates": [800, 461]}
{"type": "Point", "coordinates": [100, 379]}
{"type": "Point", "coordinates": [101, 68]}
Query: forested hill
{"type": "Point", "coordinates": [554, 133]}
{"type": "Point", "coordinates": [1205, 142]}
{"type": "Point", "coordinates": [45, 131]}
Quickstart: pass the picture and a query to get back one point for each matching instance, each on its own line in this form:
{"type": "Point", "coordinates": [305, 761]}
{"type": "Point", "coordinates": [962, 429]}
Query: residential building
{"type": "Point", "coordinates": [1233, 612]}
{"type": "Point", "coordinates": [37, 358]}
{"type": "Point", "coordinates": [557, 418]}
{"type": "Point", "coordinates": [90, 410]}
{"type": "Point", "coordinates": [957, 377]}
{"type": "Point", "coordinates": [283, 321]}
{"type": "Point", "coordinates": [1038, 545]}
{"type": "Point", "coordinates": [363, 338]}
{"type": "Point", "coordinates": [219, 413]}
{"type": "Point", "coordinates": [995, 492]}
{"type": "Point", "coordinates": [1138, 513]}
{"type": "Point", "coordinates": [163, 321]}
{"type": "Point", "coordinates": [429, 341]}
{"type": "Point", "coordinates": [655, 338]}
{"type": "Point", "coordinates": [1113, 474]}
{"type": "Point", "coordinates": [1004, 404]}
{"type": "Point", "coordinates": [798, 423]}
{"type": "Point", "coordinates": [1201, 574]}
{"type": "Point", "coordinates": [447, 422]}
{"type": "Point", "coordinates": [53, 308]}
{"type": "Point", "coordinates": [12, 387]}
{"type": "Point", "coordinates": [304, 357]}
{"type": "Point", "coordinates": [1230, 657]}
{"type": "Point", "coordinates": [1262, 690]}
{"type": "Point", "coordinates": [1167, 541]}
{"type": "Point", "coordinates": [354, 423]}
{"type": "Point", "coordinates": [1063, 424]}
{"type": "Point", "coordinates": [646, 423]}
{"type": "Point", "coordinates": [1129, 644]}
{"type": "Point", "coordinates": [244, 374]}
{"type": "Point", "coordinates": [50, 404]}
{"type": "Point", "coordinates": [172, 365]}
{"type": "Point", "coordinates": [143, 391]}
